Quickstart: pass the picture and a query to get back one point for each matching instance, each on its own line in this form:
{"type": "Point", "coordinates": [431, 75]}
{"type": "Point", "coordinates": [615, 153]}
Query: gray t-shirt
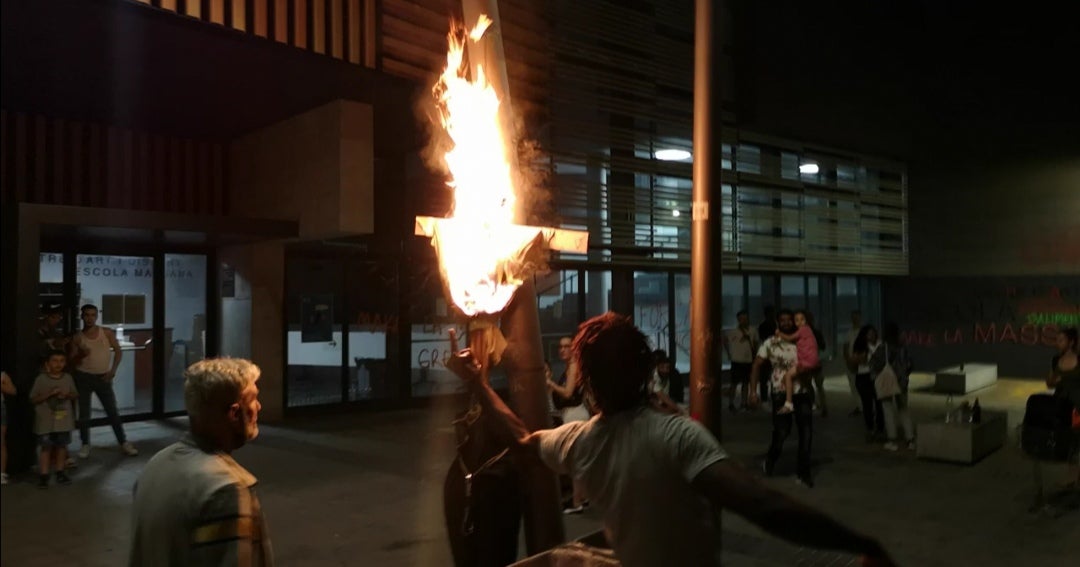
{"type": "Point", "coordinates": [637, 468]}
{"type": "Point", "coordinates": [54, 415]}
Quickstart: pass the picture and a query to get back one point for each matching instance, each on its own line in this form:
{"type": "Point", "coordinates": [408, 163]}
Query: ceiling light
{"type": "Point", "coordinates": [808, 168]}
{"type": "Point", "coordinates": [672, 155]}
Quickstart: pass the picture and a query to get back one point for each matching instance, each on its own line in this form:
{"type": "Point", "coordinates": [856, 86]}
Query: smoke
{"type": "Point", "coordinates": [531, 165]}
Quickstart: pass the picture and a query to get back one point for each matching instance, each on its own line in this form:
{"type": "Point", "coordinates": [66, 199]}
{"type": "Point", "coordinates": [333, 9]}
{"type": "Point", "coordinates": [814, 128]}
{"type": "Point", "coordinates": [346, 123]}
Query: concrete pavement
{"type": "Point", "coordinates": [365, 489]}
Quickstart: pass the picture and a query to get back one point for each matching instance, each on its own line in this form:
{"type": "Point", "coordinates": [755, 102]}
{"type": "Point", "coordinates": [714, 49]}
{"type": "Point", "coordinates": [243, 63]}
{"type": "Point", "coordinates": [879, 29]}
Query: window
{"type": "Point", "coordinates": [682, 323]}
{"type": "Point", "coordinates": [761, 293]}
{"type": "Point", "coordinates": [558, 300]}
{"type": "Point", "coordinates": [792, 292]}
{"type": "Point", "coordinates": [123, 309]}
{"type": "Point", "coordinates": [748, 159]}
{"type": "Point", "coordinates": [651, 307]}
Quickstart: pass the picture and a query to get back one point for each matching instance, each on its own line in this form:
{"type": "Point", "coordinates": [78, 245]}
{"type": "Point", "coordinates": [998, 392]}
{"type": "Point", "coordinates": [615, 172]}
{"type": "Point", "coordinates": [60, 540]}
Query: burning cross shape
{"type": "Point", "coordinates": [483, 256]}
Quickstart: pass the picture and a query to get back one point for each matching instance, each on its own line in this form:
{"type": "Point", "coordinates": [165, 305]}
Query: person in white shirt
{"type": "Point", "coordinates": [740, 344]}
{"type": "Point", "coordinates": [781, 356]}
{"type": "Point", "coordinates": [96, 355]}
{"type": "Point", "coordinates": [658, 480]}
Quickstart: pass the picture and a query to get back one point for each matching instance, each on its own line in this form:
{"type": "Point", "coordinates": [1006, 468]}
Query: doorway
{"type": "Point", "coordinates": [156, 303]}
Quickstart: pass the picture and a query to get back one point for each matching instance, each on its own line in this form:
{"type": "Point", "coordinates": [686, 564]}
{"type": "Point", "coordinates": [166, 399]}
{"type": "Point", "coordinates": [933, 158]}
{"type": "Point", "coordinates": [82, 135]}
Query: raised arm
{"type": "Point", "coordinates": [464, 364]}
{"type": "Point", "coordinates": [728, 486]}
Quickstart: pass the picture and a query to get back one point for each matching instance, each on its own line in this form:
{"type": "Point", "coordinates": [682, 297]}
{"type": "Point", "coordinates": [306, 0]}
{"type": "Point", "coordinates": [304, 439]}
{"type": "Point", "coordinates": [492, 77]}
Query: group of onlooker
{"type": "Point", "coordinates": [70, 370]}
{"type": "Point", "coordinates": [878, 369]}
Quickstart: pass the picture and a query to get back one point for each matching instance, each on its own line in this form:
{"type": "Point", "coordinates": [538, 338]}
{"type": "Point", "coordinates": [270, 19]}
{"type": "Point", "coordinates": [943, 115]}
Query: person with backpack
{"type": "Point", "coordinates": [892, 354]}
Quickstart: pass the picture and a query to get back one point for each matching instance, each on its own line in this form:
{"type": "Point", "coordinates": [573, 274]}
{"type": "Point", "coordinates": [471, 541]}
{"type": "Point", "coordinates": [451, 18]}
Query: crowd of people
{"type": "Point", "coordinates": [71, 369]}
{"type": "Point", "coordinates": [656, 477]}
{"type": "Point", "coordinates": [779, 364]}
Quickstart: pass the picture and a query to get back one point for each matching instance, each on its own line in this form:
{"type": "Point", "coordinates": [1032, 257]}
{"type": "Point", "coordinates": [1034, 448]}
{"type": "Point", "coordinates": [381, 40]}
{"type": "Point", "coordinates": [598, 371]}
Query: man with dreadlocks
{"type": "Point", "coordinates": [658, 479]}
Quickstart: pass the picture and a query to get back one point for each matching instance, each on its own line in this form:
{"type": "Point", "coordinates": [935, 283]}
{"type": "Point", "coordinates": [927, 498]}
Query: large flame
{"type": "Point", "coordinates": [476, 245]}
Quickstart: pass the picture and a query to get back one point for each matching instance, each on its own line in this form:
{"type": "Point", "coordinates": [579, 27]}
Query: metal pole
{"type": "Point", "coordinates": [524, 364]}
{"type": "Point", "coordinates": [524, 356]}
{"type": "Point", "coordinates": [705, 243]}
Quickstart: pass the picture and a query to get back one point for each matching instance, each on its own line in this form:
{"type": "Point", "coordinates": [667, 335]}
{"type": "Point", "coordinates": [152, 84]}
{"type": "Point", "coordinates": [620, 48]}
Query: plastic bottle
{"type": "Point", "coordinates": [948, 409]}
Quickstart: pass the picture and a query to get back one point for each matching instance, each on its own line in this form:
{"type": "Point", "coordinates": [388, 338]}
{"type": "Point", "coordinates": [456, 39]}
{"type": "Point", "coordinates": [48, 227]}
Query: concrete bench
{"type": "Point", "coordinates": [965, 378]}
{"type": "Point", "coordinates": [962, 442]}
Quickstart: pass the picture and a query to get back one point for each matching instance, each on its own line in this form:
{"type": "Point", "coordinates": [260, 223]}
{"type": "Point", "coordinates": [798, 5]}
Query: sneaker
{"type": "Point", "coordinates": [3, 478]}
{"type": "Point", "coordinates": [129, 449]}
{"type": "Point", "coordinates": [573, 510]}
{"type": "Point", "coordinates": [71, 463]}
{"type": "Point", "coordinates": [62, 478]}
{"type": "Point", "coordinates": [43, 482]}
{"type": "Point", "coordinates": [890, 446]}
{"type": "Point", "coordinates": [804, 481]}
{"type": "Point", "coordinates": [84, 451]}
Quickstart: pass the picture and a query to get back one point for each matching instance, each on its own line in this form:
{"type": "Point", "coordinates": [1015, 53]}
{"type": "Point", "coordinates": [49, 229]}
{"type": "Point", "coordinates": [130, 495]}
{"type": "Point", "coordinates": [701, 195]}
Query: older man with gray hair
{"type": "Point", "coordinates": [194, 505]}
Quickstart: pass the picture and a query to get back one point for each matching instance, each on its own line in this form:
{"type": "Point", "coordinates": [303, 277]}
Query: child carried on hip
{"type": "Point", "coordinates": [806, 348]}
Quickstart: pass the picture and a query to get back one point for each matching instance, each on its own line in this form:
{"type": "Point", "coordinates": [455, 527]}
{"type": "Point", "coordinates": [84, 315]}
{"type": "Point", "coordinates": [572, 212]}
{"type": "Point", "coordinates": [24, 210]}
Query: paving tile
{"type": "Point", "coordinates": [365, 489]}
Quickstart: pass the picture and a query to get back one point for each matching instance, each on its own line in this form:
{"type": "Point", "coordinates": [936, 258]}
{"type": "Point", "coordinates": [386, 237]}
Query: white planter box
{"type": "Point", "coordinates": [962, 442]}
{"type": "Point", "coordinates": [968, 378]}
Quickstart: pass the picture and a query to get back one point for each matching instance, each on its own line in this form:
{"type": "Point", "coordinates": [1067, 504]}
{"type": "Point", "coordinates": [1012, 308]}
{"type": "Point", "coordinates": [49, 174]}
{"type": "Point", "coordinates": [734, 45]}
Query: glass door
{"type": "Point", "coordinates": [184, 335]}
{"type": "Point", "coordinates": [314, 318]}
{"type": "Point", "coordinates": [122, 290]}
{"type": "Point", "coordinates": [155, 304]}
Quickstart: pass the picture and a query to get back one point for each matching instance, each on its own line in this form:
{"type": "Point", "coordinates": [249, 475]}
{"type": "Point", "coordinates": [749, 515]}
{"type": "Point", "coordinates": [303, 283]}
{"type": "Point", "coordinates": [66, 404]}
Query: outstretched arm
{"type": "Point", "coordinates": [728, 486]}
{"type": "Point", "coordinates": [465, 365]}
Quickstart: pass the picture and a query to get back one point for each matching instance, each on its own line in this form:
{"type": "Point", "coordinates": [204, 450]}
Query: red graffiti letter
{"type": "Point", "coordinates": [987, 336]}
{"type": "Point", "coordinates": [1007, 334]}
{"type": "Point", "coordinates": [1029, 335]}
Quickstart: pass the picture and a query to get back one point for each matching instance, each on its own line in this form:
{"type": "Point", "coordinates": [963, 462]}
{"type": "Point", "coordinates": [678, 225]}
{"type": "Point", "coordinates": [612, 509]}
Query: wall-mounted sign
{"type": "Point", "coordinates": [317, 311]}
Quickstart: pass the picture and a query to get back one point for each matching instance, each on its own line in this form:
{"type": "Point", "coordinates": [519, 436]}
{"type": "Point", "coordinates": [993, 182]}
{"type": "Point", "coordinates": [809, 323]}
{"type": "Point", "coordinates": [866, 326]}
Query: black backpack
{"type": "Point", "coordinates": [1047, 433]}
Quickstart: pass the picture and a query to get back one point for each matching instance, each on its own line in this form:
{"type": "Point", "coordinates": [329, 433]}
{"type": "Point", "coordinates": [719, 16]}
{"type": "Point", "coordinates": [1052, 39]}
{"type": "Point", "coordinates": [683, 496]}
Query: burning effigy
{"type": "Point", "coordinates": [487, 260]}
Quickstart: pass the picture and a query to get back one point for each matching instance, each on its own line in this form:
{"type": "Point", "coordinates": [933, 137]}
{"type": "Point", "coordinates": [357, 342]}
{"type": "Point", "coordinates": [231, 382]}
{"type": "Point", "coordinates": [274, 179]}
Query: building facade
{"type": "Point", "coordinates": [241, 177]}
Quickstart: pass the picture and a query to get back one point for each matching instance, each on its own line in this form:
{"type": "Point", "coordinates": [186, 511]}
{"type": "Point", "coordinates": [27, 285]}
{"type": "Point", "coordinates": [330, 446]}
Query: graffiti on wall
{"type": "Point", "coordinates": [1013, 322]}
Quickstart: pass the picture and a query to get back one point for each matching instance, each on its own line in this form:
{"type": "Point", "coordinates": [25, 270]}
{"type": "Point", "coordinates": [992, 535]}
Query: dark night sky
{"type": "Point", "coordinates": [911, 79]}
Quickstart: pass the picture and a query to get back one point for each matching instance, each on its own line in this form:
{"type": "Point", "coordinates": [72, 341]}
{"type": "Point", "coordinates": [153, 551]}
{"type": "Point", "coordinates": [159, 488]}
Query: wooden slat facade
{"type": "Point", "coordinates": [605, 84]}
{"type": "Point", "coordinates": [65, 162]}
{"type": "Point", "coordinates": [335, 28]}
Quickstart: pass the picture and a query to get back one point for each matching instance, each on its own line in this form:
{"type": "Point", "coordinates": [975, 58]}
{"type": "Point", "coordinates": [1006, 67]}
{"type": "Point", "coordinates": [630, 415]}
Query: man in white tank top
{"type": "Point", "coordinates": [96, 356]}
